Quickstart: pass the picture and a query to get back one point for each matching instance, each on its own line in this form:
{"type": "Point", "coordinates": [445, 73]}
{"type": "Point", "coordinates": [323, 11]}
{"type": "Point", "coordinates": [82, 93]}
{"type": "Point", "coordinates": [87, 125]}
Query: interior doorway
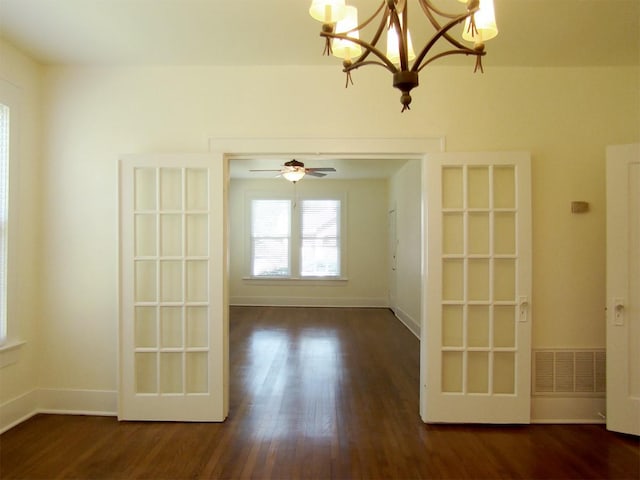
{"type": "Point", "coordinates": [235, 151]}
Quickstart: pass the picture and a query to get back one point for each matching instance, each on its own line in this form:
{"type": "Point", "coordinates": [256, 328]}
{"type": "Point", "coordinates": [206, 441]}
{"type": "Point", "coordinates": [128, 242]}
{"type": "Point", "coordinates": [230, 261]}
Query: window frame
{"type": "Point", "coordinates": [295, 238]}
{"type": "Point", "coordinates": [9, 96]}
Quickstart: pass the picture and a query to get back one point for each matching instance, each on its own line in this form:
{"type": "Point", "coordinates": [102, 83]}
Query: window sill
{"type": "Point", "coordinates": [10, 352]}
{"type": "Point", "coordinates": [310, 281]}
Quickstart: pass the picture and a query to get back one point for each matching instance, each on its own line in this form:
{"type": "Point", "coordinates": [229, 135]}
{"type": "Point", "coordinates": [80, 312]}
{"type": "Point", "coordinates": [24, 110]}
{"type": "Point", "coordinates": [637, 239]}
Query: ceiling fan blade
{"type": "Point", "coordinates": [316, 174]}
{"type": "Point", "coordinates": [321, 169]}
{"type": "Point", "coordinates": [264, 170]}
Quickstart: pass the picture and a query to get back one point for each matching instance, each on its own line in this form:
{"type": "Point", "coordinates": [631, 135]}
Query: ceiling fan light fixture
{"type": "Point", "coordinates": [293, 174]}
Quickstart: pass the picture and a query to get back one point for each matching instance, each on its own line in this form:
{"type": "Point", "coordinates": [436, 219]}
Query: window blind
{"type": "Point", "coordinates": [320, 239]}
{"type": "Point", "coordinates": [270, 238]}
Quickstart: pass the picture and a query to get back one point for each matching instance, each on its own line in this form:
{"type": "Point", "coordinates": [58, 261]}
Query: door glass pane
{"type": "Point", "coordinates": [197, 327]}
{"type": "Point", "coordinates": [452, 325]}
{"type": "Point", "coordinates": [171, 277]}
{"type": "Point", "coordinates": [504, 368]}
{"type": "Point", "coordinates": [478, 283]}
{"type": "Point", "coordinates": [504, 234]}
{"type": "Point", "coordinates": [452, 233]}
{"type": "Point", "coordinates": [197, 189]}
{"type": "Point", "coordinates": [478, 326]}
{"type": "Point", "coordinates": [170, 189]}
{"type": "Point", "coordinates": [197, 281]}
{"type": "Point", "coordinates": [197, 372]}
{"type": "Point", "coordinates": [504, 190]}
{"type": "Point", "coordinates": [171, 321]}
{"type": "Point", "coordinates": [171, 235]}
{"type": "Point", "coordinates": [504, 333]}
{"type": "Point", "coordinates": [478, 187]}
{"type": "Point", "coordinates": [145, 327]}
{"type": "Point", "coordinates": [504, 279]}
{"type": "Point", "coordinates": [145, 283]}
{"type": "Point", "coordinates": [478, 236]}
{"type": "Point", "coordinates": [146, 372]}
{"type": "Point", "coordinates": [452, 187]}
{"type": "Point", "coordinates": [451, 372]}
{"type": "Point", "coordinates": [171, 372]}
{"type": "Point", "coordinates": [197, 235]}
{"type": "Point", "coordinates": [145, 189]}
{"type": "Point", "coordinates": [145, 233]}
{"type": "Point", "coordinates": [452, 279]}
{"type": "Point", "coordinates": [478, 372]}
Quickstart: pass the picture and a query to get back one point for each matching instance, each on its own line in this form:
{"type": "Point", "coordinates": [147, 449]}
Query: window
{"type": "Point", "coordinates": [270, 238]}
{"type": "Point", "coordinates": [320, 246]}
{"type": "Point", "coordinates": [4, 217]}
{"type": "Point", "coordinates": [291, 239]}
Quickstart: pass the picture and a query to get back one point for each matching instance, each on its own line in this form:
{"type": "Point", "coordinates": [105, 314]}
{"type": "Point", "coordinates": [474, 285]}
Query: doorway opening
{"type": "Point", "coordinates": [406, 152]}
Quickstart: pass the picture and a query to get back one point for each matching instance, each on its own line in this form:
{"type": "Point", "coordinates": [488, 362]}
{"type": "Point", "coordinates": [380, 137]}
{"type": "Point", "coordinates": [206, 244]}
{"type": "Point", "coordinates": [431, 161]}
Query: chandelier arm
{"type": "Point", "coordinates": [402, 38]}
{"type": "Point", "coordinates": [368, 20]}
{"type": "Point", "coordinates": [439, 34]}
{"type": "Point", "coordinates": [428, 10]}
{"type": "Point", "coordinates": [357, 65]}
{"type": "Point", "coordinates": [370, 48]}
{"type": "Point", "coordinates": [467, 51]}
{"type": "Point", "coordinates": [427, 5]}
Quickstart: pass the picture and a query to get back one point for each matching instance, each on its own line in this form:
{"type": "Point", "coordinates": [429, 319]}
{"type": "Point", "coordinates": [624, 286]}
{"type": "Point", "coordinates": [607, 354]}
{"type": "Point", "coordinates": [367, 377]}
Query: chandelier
{"type": "Point", "coordinates": [341, 31]}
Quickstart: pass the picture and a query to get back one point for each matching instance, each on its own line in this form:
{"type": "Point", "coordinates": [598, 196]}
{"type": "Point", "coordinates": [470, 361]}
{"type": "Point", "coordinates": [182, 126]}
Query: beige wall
{"type": "Point", "coordinates": [366, 247]}
{"type": "Point", "coordinates": [405, 194]}
{"type": "Point", "coordinates": [564, 116]}
{"type": "Point", "coordinates": [19, 379]}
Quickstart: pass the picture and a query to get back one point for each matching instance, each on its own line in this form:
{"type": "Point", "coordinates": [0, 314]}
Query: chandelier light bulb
{"type": "Point", "coordinates": [393, 46]}
{"type": "Point", "coordinates": [344, 48]}
{"type": "Point", "coordinates": [485, 24]}
{"type": "Point", "coordinates": [327, 11]}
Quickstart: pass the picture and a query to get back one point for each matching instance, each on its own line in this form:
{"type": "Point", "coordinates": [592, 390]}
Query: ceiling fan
{"type": "Point", "coordinates": [294, 170]}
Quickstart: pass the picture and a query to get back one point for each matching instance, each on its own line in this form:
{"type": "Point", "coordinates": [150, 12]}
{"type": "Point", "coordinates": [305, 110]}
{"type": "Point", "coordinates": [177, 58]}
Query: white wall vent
{"type": "Point", "coordinates": [569, 372]}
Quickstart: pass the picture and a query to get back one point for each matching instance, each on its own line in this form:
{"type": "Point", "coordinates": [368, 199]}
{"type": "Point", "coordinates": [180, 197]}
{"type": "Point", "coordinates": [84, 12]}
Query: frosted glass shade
{"type": "Point", "coordinates": [393, 46]}
{"type": "Point", "coordinates": [345, 48]}
{"type": "Point", "coordinates": [485, 23]}
{"type": "Point", "coordinates": [294, 175]}
{"type": "Point", "coordinates": [327, 11]}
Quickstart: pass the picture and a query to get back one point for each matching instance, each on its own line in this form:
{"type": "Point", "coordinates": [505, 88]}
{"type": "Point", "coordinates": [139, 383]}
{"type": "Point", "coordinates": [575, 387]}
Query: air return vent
{"type": "Point", "coordinates": [562, 372]}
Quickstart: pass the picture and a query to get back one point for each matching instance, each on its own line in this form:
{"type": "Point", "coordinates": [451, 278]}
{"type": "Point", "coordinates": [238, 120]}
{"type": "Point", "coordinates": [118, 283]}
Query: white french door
{"type": "Point", "coordinates": [623, 288]}
{"type": "Point", "coordinates": [476, 341]}
{"type": "Point", "coordinates": [173, 310]}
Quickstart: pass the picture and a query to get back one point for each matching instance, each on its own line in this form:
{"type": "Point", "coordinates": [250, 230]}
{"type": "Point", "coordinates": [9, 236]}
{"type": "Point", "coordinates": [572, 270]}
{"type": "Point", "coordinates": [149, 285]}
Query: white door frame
{"type": "Point", "coordinates": [308, 148]}
{"type": "Point", "coordinates": [623, 402]}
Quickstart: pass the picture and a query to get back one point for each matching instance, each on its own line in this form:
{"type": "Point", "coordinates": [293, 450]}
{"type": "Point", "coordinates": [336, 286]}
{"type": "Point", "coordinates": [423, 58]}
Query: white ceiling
{"type": "Point", "coordinates": [277, 32]}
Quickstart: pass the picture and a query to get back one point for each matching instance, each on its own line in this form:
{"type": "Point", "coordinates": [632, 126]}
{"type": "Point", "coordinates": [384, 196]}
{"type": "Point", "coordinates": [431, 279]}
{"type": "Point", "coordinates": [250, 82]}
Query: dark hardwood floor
{"type": "Point", "coordinates": [315, 393]}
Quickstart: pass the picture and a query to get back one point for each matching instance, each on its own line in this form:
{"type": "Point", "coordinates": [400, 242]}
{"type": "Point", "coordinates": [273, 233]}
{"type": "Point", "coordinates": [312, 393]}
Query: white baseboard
{"type": "Point", "coordinates": [408, 321]}
{"type": "Point", "coordinates": [576, 409]}
{"type": "Point", "coordinates": [79, 402]}
{"type": "Point", "coordinates": [269, 301]}
{"type": "Point", "coordinates": [17, 410]}
{"type": "Point", "coordinates": [59, 401]}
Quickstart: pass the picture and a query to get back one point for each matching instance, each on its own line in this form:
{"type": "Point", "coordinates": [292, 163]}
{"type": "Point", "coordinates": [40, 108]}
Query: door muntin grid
{"type": "Point", "coordinates": [479, 280]}
{"type": "Point", "coordinates": [171, 281]}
